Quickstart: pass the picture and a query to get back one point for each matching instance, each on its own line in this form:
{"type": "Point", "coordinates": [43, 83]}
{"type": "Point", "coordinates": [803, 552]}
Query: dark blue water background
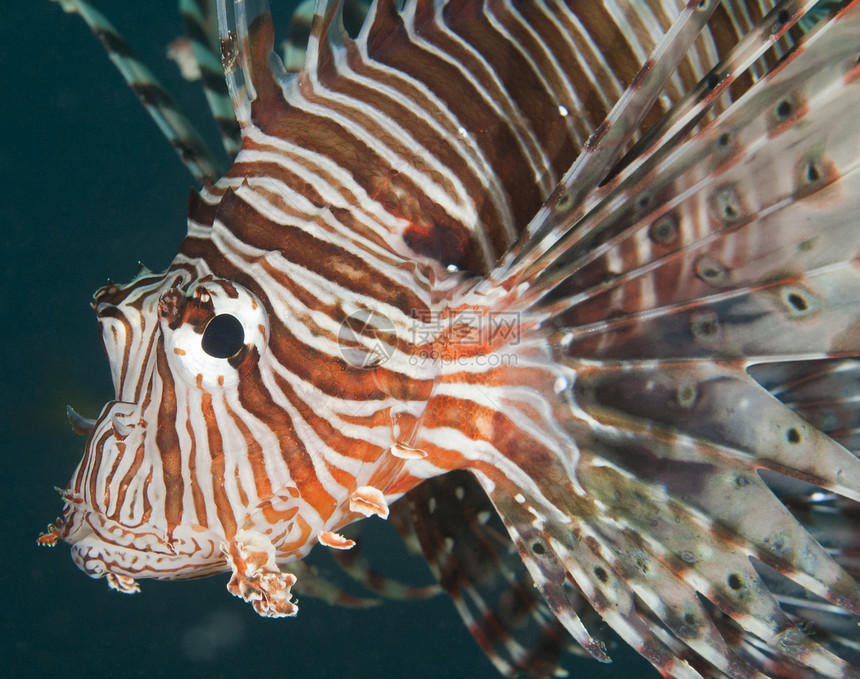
{"type": "Point", "coordinates": [89, 187]}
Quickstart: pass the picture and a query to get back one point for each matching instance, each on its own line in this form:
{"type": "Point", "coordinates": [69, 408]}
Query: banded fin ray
{"type": "Point", "coordinates": [433, 78]}
{"type": "Point", "coordinates": [751, 281]}
{"type": "Point", "coordinates": [295, 46]}
{"type": "Point", "coordinates": [200, 21]}
{"type": "Point", "coordinates": [472, 558]}
{"type": "Point", "coordinates": [174, 125]}
{"type": "Point", "coordinates": [234, 20]}
{"type": "Point", "coordinates": [743, 60]}
{"type": "Point", "coordinates": [606, 144]}
{"type": "Point", "coordinates": [620, 433]}
{"type": "Point", "coordinates": [316, 585]}
{"type": "Point", "coordinates": [664, 427]}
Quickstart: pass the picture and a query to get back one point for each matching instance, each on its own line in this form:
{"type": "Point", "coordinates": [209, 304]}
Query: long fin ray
{"type": "Point", "coordinates": [703, 533]}
{"type": "Point", "coordinates": [739, 61]}
{"type": "Point", "coordinates": [471, 556]}
{"type": "Point", "coordinates": [728, 235]}
{"type": "Point", "coordinates": [606, 145]}
{"type": "Point", "coordinates": [824, 393]}
{"type": "Point", "coordinates": [722, 460]}
{"type": "Point", "coordinates": [244, 52]}
{"type": "Point", "coordinates": [177, 129]}
{"type": "Point", "coordinates": [653, 446]}
{"type": "Point", "coordinates": [201, 28]}
{"type": "Point", "coordinates": [751, 123]}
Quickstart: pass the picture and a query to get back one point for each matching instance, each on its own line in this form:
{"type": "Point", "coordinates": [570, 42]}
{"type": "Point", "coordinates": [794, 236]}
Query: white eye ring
{"type": "Point", "coordinates": [218, 332]}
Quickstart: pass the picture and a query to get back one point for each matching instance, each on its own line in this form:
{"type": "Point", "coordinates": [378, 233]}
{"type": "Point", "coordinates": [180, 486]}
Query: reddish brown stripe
{"type": "Point", "coordinates": [243, 496]}
{"type": "Point", "coordinates": [269, 105]}
{"type": "Point", "coordinates": [326, 431]}
{"type": "Point", "coordinates": [494, 136]}
{"type": "Point", "coordinates": [599, 24]}
{"type": "Point", "coordinates": [258, 402]}
{"type": "Point", "coordinates": [592, 106]}
{"type": "Point", "coordinates": [139, 386]}
{"type": "Point", "coordinates": [223, 508]}
{"type": "Point", "coordinates": [321, 257]}
{"type": "Point", "coordinates": [196, 492]}
{"type": "Point", "coordinates": [256, 461]}
{"type": "Point", "coordinates": [94, 463]}
{"type": "Point", "coordinates": [199, 210]}
{"type": "Point", "coordinates": [130, 475]}
{"type": "Point", "coordinates": [521, 81]}
{"type": "Point", "coordinates": [167, 443]}
{"type": "Point", "coordinates": [405, 110]}
{"type": "Point", "coordinates": [121, 454]}
{"type": "Point", "coordinates": [119, 317]}
{"type": "Point", "coordinates": [336, 311]}
{"type": "Point", "coordinates": [262, 168]}
{"type": "Point", "coordinates": [333, 376]}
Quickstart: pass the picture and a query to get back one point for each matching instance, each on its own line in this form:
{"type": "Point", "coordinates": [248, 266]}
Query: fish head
{"type": "Point", "coordinates": [178, 345]}
{"type": "Point", "coordinates": [219, 424]}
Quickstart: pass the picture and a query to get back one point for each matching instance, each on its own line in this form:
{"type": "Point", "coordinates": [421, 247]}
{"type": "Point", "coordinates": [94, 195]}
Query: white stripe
{"type": "Point", "coordinates": [509, 115]}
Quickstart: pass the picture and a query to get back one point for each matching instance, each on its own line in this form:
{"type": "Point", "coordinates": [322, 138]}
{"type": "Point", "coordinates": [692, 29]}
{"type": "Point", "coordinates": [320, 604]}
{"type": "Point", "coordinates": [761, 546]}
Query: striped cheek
{"type": "Point", "coordinates": [155, 491]}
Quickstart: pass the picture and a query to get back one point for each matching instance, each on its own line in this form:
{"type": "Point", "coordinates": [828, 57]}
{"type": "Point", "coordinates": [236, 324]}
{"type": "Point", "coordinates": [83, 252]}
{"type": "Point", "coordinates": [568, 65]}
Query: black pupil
{"type": "Point", "coordinates": [223, 337]}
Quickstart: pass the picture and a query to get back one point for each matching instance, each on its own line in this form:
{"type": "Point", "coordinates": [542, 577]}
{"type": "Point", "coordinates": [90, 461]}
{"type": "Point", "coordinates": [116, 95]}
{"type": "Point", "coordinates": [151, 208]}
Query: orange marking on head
{"type": "Point", "coordinates": [275, 516]}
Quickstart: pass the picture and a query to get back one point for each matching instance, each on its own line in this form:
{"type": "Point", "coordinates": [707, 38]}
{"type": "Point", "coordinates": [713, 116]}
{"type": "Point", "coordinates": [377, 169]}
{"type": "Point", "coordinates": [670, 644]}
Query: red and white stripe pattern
{"type": "Point", "coordinates": [326, 339]}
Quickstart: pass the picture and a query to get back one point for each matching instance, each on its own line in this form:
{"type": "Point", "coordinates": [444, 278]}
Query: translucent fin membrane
{"type": "Point", "coordinates": [759, 176]}
{"type": "Point", "coordinates": [659, 490]}
{"type": "Point", "coordinates": [295, 46]}
{"type": "Point", "coordinates": [577, 201]}
{"type": "Point", "coordinates": [471, 556]}
{"type": "Point", "coordinates": [606, 144]}
{"type": "Point", "coordinates": [234, 21]}
{"type": "Point", "coordinates": [201, 27]}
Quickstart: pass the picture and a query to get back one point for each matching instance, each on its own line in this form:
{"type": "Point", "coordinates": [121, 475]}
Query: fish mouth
{"type": "Point", "coordinates": [103, 548]}
{"type": "Point", "coordinates": [92, 553]}
{"type": "Point", "coordinates": [118, 540]}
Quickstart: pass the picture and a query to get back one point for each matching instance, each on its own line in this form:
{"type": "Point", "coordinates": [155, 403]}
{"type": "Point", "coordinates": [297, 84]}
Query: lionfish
{"type": "Point", "coordinates": [591, 267]}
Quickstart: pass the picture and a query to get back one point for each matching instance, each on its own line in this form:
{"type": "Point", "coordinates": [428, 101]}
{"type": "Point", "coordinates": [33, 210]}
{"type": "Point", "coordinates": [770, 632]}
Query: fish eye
{"type": "Point", "coordinates": [214, 332]}
{"type": "Point", "coordinates": [223, 337]}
